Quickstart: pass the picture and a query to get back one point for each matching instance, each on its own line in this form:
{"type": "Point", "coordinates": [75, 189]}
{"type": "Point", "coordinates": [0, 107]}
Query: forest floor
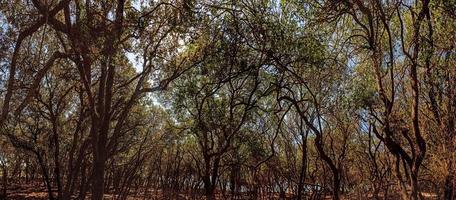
{"type": "Point", "coordinates": [30, 191]}
{"type": "Point", "coordinates": [36, 191]}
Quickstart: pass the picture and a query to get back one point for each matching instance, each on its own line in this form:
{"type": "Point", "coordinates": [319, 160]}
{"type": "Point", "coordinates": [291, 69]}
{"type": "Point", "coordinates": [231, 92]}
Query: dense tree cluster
{"type": "Point", "coordinates": [247, 99]}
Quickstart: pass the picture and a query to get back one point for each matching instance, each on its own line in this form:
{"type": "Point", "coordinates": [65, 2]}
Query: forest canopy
{"type": "Point", "coordinates": [223, 99]}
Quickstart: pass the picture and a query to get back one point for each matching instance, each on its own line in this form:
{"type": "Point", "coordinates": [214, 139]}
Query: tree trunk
{"type": "Point", "coordinates": [415, 193]}
{"type": "Point", "coordinates": [56, 139]}
{"type": "Point", "coordinates": [336, 185]}
{"type": "Point", "coordinates": [5, 181]}
{"type": "Point", "coordinates": [208, 188]}
{"type": "Point", "coordinates": [302, 175]}
{"type": "Point", "coordinates": [98, 182]}
{"type": "Point", "coordinates": [46, 178]}
{"type": "Point", "coordinates": [449, 187]}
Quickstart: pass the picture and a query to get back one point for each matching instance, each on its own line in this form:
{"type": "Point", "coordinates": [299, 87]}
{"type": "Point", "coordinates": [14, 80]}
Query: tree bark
{"type": "Point", "coordinates": [3, 195]}
{"type": "Point", "coordinates": [302, 175]}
